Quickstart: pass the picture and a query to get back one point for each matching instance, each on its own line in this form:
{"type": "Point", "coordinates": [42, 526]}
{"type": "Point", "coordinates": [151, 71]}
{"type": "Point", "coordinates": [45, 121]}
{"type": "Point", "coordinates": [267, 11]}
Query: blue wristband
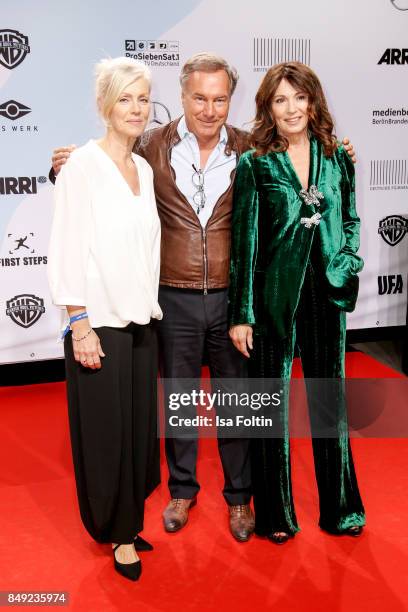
{"type": "Point", "coordinates": [83, 315]}
{"type": "Point", "coordinates": [79, 317]}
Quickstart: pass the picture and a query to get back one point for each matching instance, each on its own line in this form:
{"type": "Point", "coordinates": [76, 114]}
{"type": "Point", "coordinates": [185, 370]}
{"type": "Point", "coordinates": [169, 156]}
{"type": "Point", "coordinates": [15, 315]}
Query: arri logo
{"type": "Point", "coordinates": [390, 283]}
{"type": "Point", "coordinates": [25, 309]}
{"type": "Point", "coordinates": [13, 48]}
{"type": "Point", "coordinates": [20, 185]}
{"type": "Point", "coordinates": [394, 56]}
{"type": "Point", "coordinates": [392, 229]}
{"type": "Point", "coordinates": [401, 5]}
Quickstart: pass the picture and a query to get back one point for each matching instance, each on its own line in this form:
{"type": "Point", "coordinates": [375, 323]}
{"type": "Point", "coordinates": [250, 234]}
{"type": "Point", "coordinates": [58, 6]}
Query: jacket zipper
{"type": "Point", "coordinates": [205, 261]}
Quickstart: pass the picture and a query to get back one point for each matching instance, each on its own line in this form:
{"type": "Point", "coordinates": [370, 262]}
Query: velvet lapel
{"type": "Point", "coordinates": [314, 166]}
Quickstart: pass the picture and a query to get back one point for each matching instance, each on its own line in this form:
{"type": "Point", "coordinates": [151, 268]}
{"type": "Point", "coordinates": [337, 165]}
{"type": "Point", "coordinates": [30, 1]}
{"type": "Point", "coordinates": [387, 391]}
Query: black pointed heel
{"type": "Point", "coordinates": [131, 571]}
{"type": "Point", "coordinates": [142, 545]}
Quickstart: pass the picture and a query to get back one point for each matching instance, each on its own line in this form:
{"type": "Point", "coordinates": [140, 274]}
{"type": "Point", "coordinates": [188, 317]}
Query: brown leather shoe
{"type": "Point", "coordinates": [242, 522]}
{"type": "Point", "coordinates": [175, 515]}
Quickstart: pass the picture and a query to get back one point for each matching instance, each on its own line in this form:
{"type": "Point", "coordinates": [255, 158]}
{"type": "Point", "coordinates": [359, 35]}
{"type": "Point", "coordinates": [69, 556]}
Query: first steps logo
{"type": "Point", "coordinates": [13, 48]}
{"type": "Point", "coordinates": [25, 309]}
{"type": "Point", "coordinates": [393, 228]}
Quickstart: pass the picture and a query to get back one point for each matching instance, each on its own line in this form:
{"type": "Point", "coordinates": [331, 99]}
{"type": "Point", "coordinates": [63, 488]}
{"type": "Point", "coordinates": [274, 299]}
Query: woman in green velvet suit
{"type": "Point", "coordinates": [294, 268]}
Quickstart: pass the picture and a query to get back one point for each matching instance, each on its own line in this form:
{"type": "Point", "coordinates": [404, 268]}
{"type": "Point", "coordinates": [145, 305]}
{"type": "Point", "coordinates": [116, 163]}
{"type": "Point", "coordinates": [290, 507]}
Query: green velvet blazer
{"type": "Point", "coordinates": [273, 228]}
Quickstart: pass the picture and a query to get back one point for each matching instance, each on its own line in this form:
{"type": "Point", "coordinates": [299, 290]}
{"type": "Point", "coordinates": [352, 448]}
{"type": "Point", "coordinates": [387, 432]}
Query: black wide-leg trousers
{"type": "Point", "coordinates": [113, 427]}
{"type": "Point", "coordinates": [194, 324]}
{"type": "Point", "coordinates": [319, 331]}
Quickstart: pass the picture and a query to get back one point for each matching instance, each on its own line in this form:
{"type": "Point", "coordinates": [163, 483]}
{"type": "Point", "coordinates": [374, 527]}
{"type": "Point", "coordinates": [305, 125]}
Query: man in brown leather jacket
{"type": "Point", "coordinates": [199, 150]}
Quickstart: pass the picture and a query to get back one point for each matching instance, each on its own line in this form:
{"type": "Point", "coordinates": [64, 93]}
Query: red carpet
{"type": "Point", "coordinates": [44, 546]}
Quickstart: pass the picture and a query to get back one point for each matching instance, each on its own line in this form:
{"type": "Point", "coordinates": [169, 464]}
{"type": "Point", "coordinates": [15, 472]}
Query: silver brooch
{"type": "Point", "coordinates": [312, 196]}
{"type": "Point", "coordinates": [314, 220]}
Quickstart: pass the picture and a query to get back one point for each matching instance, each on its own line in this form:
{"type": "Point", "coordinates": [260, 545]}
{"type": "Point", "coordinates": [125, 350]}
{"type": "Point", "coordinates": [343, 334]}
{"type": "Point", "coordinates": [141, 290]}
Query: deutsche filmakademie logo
{"type": "Point", "coordinates": [13, 110]}
{"type": "Point", "coordinates": [269, 51]}
{"type": "Point", "coordinates": [25, 309]}
{"type": "Point", "coordinates": [154, 52]}
{"type": "Point", "coordinates": [388, 174]}
{"type": "Point", "coordinates": [13, 48]}
{"type": "Point", "coordinates": [393, 228]}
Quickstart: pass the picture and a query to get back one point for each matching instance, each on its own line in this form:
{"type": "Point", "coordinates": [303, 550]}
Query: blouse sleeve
{"type": "Point", "coordinates": [351, 221]}
{"type": "Point", "coordinates": [244, 243]}
{"type": "Point", "coordinates": [70, 233]}
{"type": "Point", "coordinates": [156, 234]}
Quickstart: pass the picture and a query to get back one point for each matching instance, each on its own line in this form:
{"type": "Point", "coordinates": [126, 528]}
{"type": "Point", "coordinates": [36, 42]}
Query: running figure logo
{"type": "Point", "coordinates": [21, 243]}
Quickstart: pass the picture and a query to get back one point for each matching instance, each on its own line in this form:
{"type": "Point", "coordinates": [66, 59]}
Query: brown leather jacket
{"type": "Point", "coordinates": [191, 257]}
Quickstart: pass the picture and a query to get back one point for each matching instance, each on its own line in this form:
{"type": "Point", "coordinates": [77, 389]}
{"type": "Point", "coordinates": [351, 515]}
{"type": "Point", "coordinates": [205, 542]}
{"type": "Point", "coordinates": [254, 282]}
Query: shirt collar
{"type": "Point", "coordinates": [183, 131]}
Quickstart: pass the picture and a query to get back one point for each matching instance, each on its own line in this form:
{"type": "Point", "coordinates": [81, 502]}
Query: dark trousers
{"type": "Point", "coordinates": [113, 426]}
{"type": "Point", "coordinates": [194, 323]}
{"type": "Point", "coordinates": [319, 331]}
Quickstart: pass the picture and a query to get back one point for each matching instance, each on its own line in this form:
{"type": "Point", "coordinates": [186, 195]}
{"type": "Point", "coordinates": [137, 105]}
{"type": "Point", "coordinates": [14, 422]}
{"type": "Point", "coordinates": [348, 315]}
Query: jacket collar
{"type": "Point", "coordinates": [231, 145]}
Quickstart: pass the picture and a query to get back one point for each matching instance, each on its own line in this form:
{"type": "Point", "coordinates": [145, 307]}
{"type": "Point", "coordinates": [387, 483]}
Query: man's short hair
{"type": "Point", "coordinates": [208, 62]}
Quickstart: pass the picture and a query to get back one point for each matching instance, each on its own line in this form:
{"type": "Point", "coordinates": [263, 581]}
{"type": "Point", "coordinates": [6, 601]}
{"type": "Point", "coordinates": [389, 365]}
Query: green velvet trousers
{"type": "Point", "coordinates": [319, 331]}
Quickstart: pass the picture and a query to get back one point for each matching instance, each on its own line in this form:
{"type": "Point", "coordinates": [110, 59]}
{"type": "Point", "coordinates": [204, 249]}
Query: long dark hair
{"type": "Point", "coordinates": [264, 135]}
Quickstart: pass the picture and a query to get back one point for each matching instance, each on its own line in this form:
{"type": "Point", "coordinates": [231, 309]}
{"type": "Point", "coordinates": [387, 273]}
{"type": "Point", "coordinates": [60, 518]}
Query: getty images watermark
{"type": "Point", "coordinates": [232, 407]}
{"type": "Point", "coordinates": [274, 408]}
{"type": "Point", "coordinates": [222, 400]}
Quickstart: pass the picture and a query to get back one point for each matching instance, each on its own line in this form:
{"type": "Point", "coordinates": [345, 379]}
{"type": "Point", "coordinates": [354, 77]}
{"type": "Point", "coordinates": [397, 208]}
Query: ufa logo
{"type": "Point", "coordinates": [390, 283]}
{"type": "Point", "coordinates": [13, 48]}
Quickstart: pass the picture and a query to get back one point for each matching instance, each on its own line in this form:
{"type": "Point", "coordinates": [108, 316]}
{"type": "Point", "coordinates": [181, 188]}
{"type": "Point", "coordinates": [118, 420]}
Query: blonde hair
{"type": "Point", "coordinates": [113, 75]}
{"type": "Point", "coordinates": [208, 62]}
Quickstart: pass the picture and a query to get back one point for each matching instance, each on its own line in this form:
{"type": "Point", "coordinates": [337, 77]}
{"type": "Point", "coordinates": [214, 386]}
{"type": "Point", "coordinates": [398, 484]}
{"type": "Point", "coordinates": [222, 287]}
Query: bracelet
{"type": "Point", "coordinates": [83, 337]}
{"type": "Point", "coordinates": [78, 317]}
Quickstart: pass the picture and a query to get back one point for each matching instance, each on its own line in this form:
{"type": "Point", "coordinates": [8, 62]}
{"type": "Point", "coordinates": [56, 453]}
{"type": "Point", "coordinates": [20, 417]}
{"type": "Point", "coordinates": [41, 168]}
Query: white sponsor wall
{"type": "Point", "coordinates": [47, 53]}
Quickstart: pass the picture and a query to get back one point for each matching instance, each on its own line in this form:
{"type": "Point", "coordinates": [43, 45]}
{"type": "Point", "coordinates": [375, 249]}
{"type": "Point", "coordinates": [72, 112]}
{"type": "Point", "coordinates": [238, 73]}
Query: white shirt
{"type": "Point", "coordinates": [104, 251]}
{"type": "Point", "coordinates": [217, 172]}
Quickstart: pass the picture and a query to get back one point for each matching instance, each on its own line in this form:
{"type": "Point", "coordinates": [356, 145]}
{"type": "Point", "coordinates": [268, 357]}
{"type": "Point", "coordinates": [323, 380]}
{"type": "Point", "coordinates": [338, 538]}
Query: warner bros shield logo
{"type": "Point", "coordinates": [25, 309]}
{"type": "Point", "coordinates": [393, 228]}
{"type": "Point", "coordinates": [13, 48]}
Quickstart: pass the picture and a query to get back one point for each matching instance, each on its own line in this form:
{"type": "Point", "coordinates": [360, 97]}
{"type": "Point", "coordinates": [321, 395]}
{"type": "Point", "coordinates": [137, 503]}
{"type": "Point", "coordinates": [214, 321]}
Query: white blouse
{"type": "Point", "coordinates": [104, 251]}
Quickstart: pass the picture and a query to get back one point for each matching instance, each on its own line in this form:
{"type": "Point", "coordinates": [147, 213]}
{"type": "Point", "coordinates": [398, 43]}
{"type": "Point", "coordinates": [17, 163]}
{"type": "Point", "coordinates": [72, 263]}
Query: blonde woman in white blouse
{"type": "Point", "coordinates": [104, 261]}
